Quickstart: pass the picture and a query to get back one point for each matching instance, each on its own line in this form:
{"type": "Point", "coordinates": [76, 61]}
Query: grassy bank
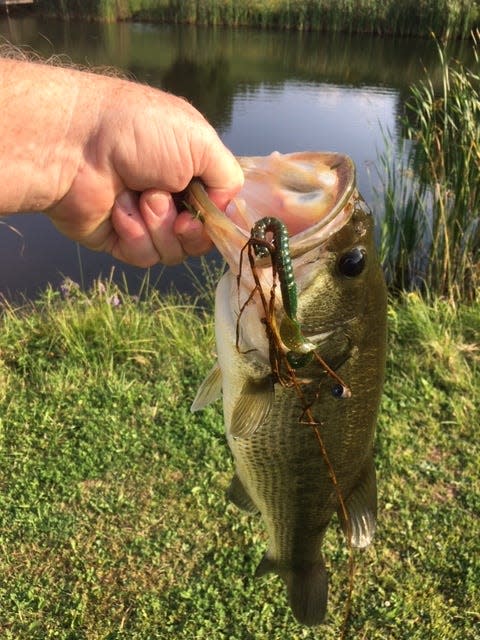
{"type": "Point", "coordinates": [113, 521]}
{"type": "Point", "coordinates": [455, 17]}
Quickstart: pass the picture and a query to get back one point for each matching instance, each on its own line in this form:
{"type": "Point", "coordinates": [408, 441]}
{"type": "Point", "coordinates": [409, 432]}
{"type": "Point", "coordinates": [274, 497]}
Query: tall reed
{"type": "Point", "coordinates": [431, 229]}
{"type": "Point", "coordinates": [408, 17]}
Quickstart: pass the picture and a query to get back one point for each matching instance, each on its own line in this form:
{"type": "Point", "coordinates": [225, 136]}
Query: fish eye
{"type": "Point", "coordinates": [352, 263]}
{"type": "Point", "coordinates": [337, 390]}
{"type": "Point", "coordinates": [340, 391]}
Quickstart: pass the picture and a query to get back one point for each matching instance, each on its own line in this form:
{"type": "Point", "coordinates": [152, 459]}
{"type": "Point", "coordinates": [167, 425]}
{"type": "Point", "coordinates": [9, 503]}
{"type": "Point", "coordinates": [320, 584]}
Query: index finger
{"type": "Point", "coordinates": [220, 172]}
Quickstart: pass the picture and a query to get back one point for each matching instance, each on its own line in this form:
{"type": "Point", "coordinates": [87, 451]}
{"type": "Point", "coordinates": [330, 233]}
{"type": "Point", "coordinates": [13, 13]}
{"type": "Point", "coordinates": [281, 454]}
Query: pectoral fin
{"type": "Point", "coordinates": [252, 408]}
{"type": "Point", "coordinates": [361, 507]}
{"type": "Point", "coordinates": [210, 389]}
{"type": "Point", "coordinates": [237, 493]}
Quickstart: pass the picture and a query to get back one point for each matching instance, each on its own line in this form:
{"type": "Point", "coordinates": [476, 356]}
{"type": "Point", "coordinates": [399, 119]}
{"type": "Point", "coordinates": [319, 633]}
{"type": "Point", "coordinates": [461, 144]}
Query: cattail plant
{"type": "Point", "coordinates": [431, 188]}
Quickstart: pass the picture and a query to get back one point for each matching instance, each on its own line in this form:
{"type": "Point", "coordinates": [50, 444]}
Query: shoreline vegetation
{"type": "Point", "coordinates": [430, 220]}
{"type": "Point", "coordinates": [445, 18]}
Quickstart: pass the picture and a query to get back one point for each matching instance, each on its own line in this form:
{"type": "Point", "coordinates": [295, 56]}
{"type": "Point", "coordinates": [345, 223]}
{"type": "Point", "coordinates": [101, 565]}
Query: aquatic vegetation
{"type": "Point", "coordinates": [431, 188]}
{"type": "Point", "coordinates": [444, 17]}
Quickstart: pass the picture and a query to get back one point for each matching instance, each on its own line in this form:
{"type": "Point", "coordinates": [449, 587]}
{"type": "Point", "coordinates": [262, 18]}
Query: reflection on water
{"type": "Point", "coordinates": [298, 116]}
{"type": "Point", "coordinates": [207, 85]}
{"type": "Point", "coordinates": [261, 90]}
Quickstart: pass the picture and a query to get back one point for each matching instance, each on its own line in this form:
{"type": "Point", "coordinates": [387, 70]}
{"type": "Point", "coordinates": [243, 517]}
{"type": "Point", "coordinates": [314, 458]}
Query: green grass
{"type": "Point", "coordinates": [447, 18]}
{"type": "Point", "coordinates": [113, 520]}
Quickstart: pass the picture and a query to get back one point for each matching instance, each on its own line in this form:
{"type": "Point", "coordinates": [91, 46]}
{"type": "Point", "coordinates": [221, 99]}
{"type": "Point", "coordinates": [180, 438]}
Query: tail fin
{"type": "Point", "coordinates": [308, 593]}
{"type": "Point", "coordinates": [307, 589]}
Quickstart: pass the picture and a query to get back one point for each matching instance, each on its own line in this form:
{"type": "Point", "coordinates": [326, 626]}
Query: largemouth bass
{"type": "Point", "coordinates": [273, 424]}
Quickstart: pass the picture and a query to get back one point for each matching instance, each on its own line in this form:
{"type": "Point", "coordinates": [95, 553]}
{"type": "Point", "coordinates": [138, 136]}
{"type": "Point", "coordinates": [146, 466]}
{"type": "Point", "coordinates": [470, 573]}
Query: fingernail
{"type": "Point", "coordinates": [127, 201]}
{"type": "Point", "coordinates": [158, 202]}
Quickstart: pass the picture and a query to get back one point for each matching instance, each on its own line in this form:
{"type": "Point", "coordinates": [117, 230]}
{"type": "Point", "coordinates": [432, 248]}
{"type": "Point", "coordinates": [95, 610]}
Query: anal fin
{"type": "Point", "coordinates": [361, 506]}
{"type": "Point", "coordinates": [265, 566]}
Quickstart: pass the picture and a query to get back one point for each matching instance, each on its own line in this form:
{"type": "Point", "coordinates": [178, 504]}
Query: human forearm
{"type": "Point", "coordinates": [44, 122]}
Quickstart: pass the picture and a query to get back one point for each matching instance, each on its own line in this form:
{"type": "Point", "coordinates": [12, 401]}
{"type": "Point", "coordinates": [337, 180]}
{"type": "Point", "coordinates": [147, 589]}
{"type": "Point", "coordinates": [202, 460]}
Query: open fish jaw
{"type": "Point", "coordinates": [305, 190]}
{"type": "Point", "coordinates": [312, 193]}
{"type": "Point", "coordinates": [308, 191]}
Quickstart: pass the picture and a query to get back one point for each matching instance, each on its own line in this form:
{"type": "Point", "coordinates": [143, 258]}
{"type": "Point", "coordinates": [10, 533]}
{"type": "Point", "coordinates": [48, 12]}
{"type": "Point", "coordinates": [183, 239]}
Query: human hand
{"type": "Point", "coordinates": [121, 150]}
{"type": "Point", "coordinates": [144, 146]}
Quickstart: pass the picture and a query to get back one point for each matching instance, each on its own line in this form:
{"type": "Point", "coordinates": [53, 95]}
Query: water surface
{"type": "Point", "coordinates": [263, 91]}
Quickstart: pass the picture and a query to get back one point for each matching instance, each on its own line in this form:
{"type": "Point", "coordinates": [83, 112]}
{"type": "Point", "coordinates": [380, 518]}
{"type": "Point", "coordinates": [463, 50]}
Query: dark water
{"type": "Point", "coordinates": [262, 91]}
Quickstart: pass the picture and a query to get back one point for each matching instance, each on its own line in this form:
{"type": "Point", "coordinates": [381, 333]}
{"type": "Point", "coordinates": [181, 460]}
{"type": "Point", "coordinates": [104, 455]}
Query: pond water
{"type": "Point", "coordinates": [263, 91]}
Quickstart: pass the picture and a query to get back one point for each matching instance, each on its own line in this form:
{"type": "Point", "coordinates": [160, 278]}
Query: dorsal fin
{"type": "Point", "coordinates": [210, 389]}
{"type": "Point", "coordinates": [252, 407]}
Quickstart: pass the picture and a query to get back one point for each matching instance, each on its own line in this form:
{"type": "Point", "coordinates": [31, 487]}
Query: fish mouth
{"type": "Point", "coordinates": [308, 191]}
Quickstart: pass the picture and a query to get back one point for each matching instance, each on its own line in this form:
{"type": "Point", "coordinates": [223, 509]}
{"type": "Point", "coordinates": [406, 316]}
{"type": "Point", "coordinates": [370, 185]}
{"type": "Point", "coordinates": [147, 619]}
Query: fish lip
{"type": "Point", "coordinates": [317, 337]}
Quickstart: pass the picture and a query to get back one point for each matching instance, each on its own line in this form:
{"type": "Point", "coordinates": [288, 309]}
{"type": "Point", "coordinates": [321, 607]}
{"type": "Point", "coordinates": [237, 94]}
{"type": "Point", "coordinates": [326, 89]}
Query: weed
{"type": "Point", "coordinates": [447, 18]}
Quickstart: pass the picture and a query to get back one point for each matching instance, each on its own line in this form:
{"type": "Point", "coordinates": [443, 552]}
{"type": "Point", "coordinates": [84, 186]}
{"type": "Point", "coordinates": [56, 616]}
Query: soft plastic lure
{"type": "Point", "coordinates": [301, 349]}
{"type": "Point", "coordinates": [280, 255]}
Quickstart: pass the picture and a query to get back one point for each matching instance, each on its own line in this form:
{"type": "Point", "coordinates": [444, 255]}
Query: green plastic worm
{"type": "Point", "coordinates": [290, 332]}
{"type": "Point", "coordinates": [280, 257]}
